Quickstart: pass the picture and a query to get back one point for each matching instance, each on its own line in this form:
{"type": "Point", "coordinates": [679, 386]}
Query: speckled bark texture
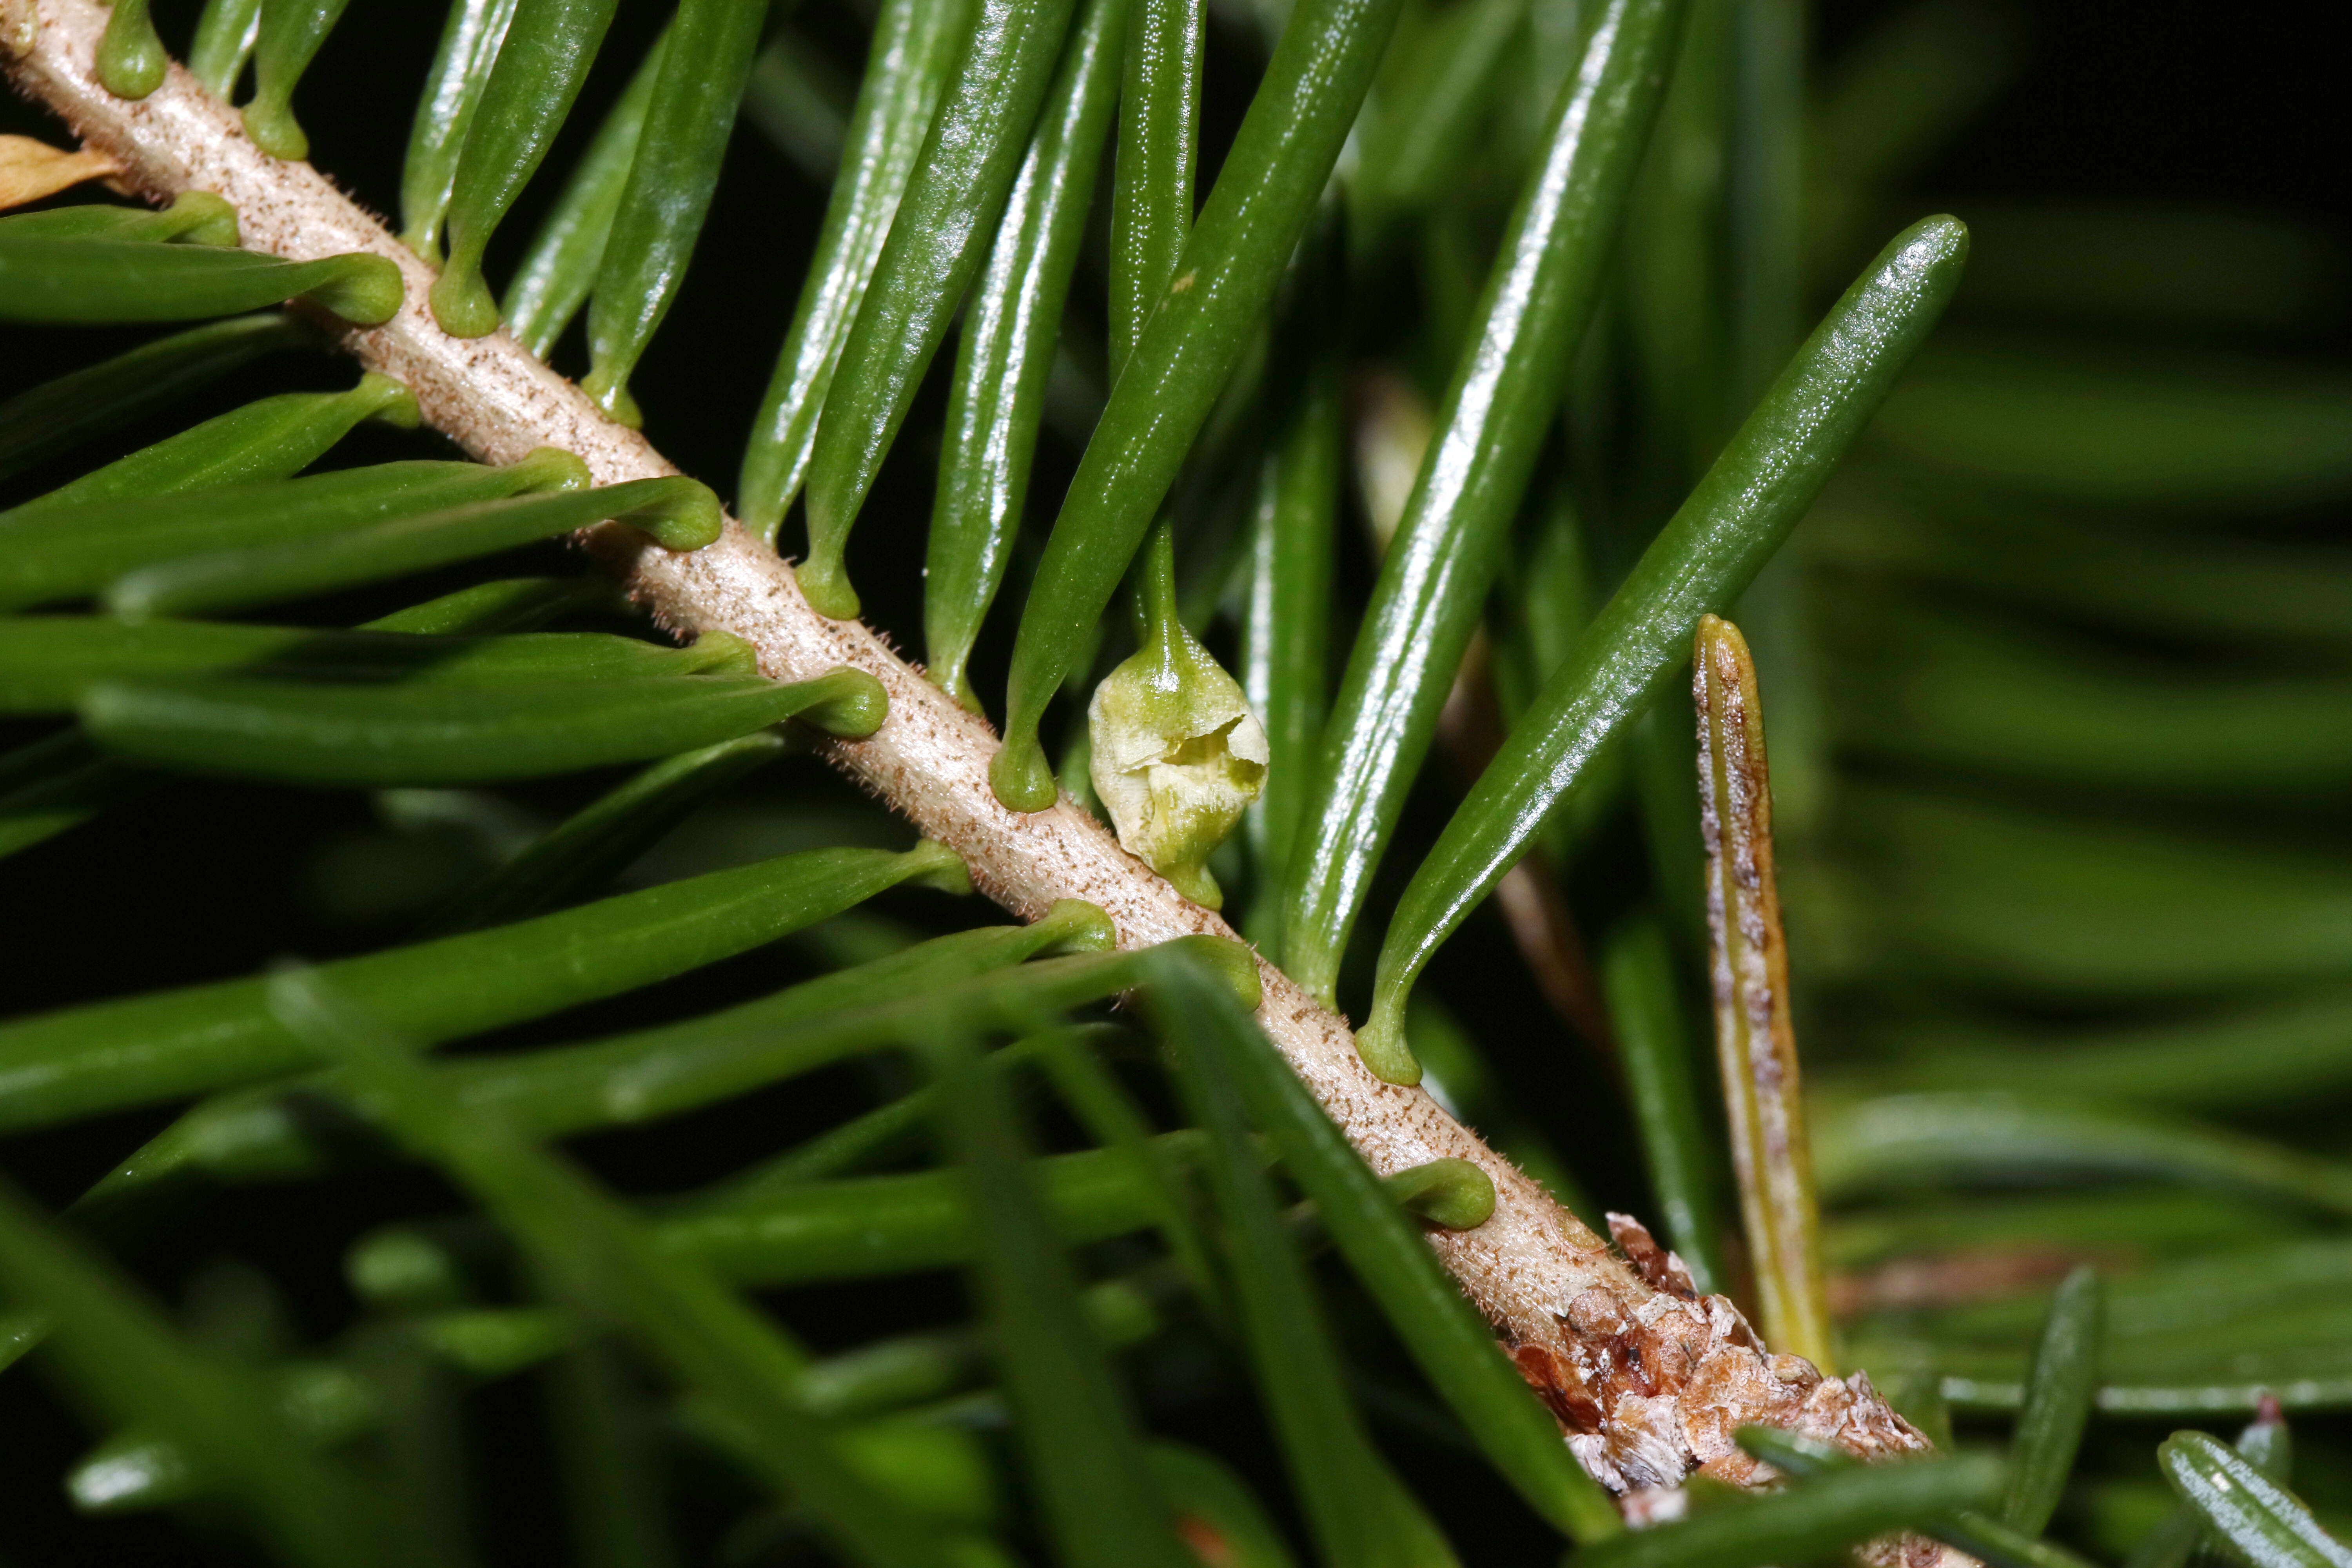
{"type": "Point", "coordinates": [1652, 1380]}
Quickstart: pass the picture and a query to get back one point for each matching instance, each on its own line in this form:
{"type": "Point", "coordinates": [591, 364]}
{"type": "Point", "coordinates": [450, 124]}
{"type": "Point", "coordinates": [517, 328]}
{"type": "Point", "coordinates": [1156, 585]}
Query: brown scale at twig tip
{"type": "Point", "coordinates": [1650, 1389]}
{"type": "Point", "coordinates": [1663, 1269]}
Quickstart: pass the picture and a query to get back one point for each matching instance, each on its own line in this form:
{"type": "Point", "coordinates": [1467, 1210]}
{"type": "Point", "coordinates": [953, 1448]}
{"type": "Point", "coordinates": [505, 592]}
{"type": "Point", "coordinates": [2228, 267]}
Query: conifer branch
{"type": "Point", "coordinates": [1651, 1380]}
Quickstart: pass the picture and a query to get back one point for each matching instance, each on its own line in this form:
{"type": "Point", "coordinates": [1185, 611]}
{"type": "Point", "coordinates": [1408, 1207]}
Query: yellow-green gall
{"type": "Point", "coordinates": [1177, 756]}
